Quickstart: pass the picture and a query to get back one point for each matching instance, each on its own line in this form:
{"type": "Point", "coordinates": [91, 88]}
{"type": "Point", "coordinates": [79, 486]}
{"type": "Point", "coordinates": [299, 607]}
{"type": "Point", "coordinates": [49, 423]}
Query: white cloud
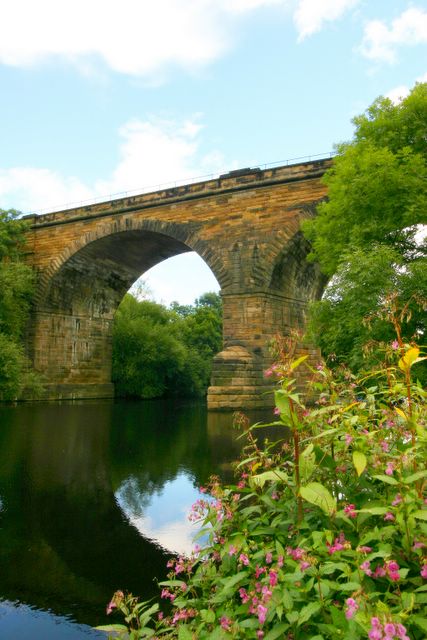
{"type": "Point", "coordinates": [152, 152]}
{"type": "Point", "coordinates": [380, 41]}
{"type": "Point", "coordinates": [131, 37]}
{"type": "Point", "coordinates": [137, 38]}
{"type": "Point", "coordinates": [310, 15]}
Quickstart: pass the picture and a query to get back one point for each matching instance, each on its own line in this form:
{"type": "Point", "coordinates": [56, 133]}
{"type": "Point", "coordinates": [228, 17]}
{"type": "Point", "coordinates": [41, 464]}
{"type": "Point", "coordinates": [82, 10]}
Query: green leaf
{"type": "Point", "coordinates": [349, 586]}
{"type": "Point", "coordinates": [308, 611]}
{"type": "Point", "coordinates": [359, 461]}
{"type": "Point", "coordinates": [184, 632]}
{"type": "Point", "coordinates": [275, 475]}
{"type": "Point", "coordinates": [317, 494]}
{"type": "Point", "coordinates": [231, 581]}
{"type": "Point", "coordinates": [420, 514]}
{"type": "Point", "coordinates": [292, 616]}
{"type": "Point", "coordinates": [277, 631]}
{"type": "Point", "coordinates": [415, 476]}
{"type": "Point", "coordinates": [172, 583]}
{"type": "Point", "coordinates": [386, 479]}
{"type": "Point", "coordinates": [207, 616]}
{"type": "Point", "coordinates": [287, 600]}
{"type": "Point", "coordinates": [420, 622]}
{"type": "Point", "coordinates": [112, 627]}
{"type": "Point", "coordinates": [375, 511]}
{"type": "Point", "coordinates": [296, 363]}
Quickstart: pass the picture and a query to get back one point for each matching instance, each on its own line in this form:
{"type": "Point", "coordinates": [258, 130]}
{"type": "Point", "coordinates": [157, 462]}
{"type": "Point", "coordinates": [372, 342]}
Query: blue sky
{"type": "Point", "coordinates": [99, 98]}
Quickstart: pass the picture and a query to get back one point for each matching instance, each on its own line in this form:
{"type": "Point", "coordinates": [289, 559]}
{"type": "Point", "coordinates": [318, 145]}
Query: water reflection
{"type": "Point", "coordinates": [95, 494]}
{"type": "Point", "coordinates": [164, 518]}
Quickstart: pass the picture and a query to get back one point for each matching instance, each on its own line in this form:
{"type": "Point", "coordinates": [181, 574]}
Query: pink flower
{"type": "Point", "coordinates": [397, 500]}
{"type": "Point", "coordinates": [389, 469]}
{"type": "Point", "coordinates": [384, 446]}
{"type": "Point", "coordinates": [389, 630]}
{"type": "Point", "coordinates": [376, 631]}
{"type": "Point", "coordinates": [268, 557]}
{"type": "Point", "coordinates": [392, 569]}
{"type": "Point", "coordinates": [304, 565]}
{"type": "Point", "coordinates": [379, 572]}
{"type": "Point", "coordinates": [262, 613]}
{"type": "Point", "coordinates": [232, 550]}
{"type": "Point", "coordinates": [225, 623]}
{"type": "Point", "coordinates": [424, 571]}
{"type": "Point", "coordinates": [364, 549]}
{"type": "Point", "coordinates": [260, 634]}
{"type": "Point", "coordinates": [280, 562]}
{"type": "Point", "coordinates": [259, 571]}
{"type": "Point", "coordinates": [389, 517]}
{"type": "Point", "coordinates": [339, 544]}
{"type": "Point", "coordinates": [276, 411]}
{"type": "Point", "coordinates": [366, 567]}
{"type": "Point", "coordinates": [395, 345]}
{"type": "Point", "coordinates": [352, 607]}
{"type": "Point", "coordinates": [349, 511]}
{"type": "Point", "coordinates": [273, 578]}
{"type": "Point", "coordinates": [348, 439]}
{"type": "Point", "coordinates": [243, 595]}
{"type": "Point", "coordinates": [243, 558]}
{"type": "Point", "coordinates": [110, 607]}
{"type": "Point", "coordinates": [418, 545]}
{"type": "Point", "coordinates": [401, 632]}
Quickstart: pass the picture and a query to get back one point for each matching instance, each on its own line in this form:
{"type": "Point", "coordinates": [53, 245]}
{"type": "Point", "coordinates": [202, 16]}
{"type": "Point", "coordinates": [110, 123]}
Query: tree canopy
{"type": "Point", "coordinates": [159, 351]}
{"type": "Point", "coordinates": [369, 236]}
{"type": "Point", "coordinates": [16, 286]}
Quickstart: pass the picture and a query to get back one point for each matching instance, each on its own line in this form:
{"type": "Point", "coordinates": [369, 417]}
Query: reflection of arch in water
{"type": "Point", "coordinates": [65, 539]}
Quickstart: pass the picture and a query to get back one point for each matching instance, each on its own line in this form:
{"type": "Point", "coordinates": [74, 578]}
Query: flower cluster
{"type": "Point", "coordinates": [323, 530]}
{"type": "Point", "coordinates": [386, 631]}
{"type": "Point", "coordinates": [389, 569]}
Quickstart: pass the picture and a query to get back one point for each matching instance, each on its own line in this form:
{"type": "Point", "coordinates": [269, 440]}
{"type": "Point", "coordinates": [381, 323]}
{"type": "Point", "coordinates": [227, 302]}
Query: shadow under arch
{"type": "Point", "coordinates": [70, 336]}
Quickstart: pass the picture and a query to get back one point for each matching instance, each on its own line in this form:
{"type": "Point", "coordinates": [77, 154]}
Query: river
{"type": "Point", "coordinates": [94, 497]}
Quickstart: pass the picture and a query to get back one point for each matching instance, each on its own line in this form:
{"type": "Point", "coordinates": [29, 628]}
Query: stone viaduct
{"type": "Point", "coordinates": [246, 227]}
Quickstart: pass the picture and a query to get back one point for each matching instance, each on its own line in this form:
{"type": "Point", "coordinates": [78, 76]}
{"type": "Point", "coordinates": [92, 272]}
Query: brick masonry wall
{"type": "Point", "coordinates": [247, 229]}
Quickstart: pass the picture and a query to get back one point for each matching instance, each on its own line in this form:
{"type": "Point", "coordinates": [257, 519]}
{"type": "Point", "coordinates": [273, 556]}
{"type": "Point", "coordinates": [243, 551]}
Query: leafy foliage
{"type": "Point", "coordinates": [324, 536]}
{"type": "Point", "coordinates": [377, 186]}
{"type": "Point", "coordinates": [159, 351]}
{"type": "Point", "coordinates": [16, 286]}
{"type": "Point", "coordinates": [368, 236]}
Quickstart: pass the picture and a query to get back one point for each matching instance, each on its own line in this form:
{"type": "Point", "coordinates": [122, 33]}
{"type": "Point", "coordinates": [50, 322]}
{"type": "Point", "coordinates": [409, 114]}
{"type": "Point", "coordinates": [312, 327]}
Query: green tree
{"type": "Point", "coordinates": [368, 235]}
{"type": "Point", "coordinates": [16, 286]}
{"type": "Point", "coordinates": [159, 351]}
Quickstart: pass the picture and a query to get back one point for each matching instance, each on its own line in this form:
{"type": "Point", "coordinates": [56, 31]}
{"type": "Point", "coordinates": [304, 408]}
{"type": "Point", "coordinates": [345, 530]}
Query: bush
{"type": "Point", "coordinates": [324, 534]}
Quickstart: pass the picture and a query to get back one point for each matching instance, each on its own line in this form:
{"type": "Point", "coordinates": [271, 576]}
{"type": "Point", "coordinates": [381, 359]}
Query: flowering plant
{"type": "Point", "coordinates": [324, 534]}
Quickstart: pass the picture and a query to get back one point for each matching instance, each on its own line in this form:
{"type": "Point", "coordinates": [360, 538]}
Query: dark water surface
{"type": "Point", "coordinates": [94, 497]}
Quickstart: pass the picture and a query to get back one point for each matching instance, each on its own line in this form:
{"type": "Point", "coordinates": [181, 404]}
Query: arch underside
{"type": "Point", "coordinates": [95, 279]}
{"type": "Point", "coordinates": [265, 291]}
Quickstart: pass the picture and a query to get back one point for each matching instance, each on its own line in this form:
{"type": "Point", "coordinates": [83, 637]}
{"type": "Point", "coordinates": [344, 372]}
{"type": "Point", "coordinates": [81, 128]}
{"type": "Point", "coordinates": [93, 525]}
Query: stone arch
{"type": "Point", "coordinates": [292, 275]}
{"type": "Point", "coordinates": [182, 238]}
{"type": "Point", "coordinates": [70, 338]}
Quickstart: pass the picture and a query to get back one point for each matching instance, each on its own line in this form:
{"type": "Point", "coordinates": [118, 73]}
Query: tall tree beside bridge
{"type": "Point", "coordinates": [370, 235]}
{"type": "Point", "coordinates": [16, 287]}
